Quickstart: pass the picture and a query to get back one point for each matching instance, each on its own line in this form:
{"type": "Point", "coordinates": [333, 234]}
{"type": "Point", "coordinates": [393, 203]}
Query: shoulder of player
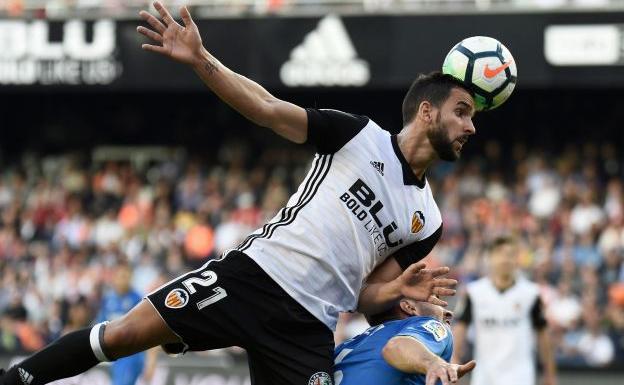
{"type": "Point", "coordinates": [527, 286]}
{"type": "Point", "coordinates": [362, 121]}
{"type": "Point", "coordinates": [371, 128]}
{"type": "Point", "coordinates": [438, 330]}
{"type": "Point", "coordinates": [345, 117]}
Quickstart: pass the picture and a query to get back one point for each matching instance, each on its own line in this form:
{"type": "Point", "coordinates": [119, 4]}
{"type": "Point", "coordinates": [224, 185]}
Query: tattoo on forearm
{"type": "Point", "coordinates": [210, 67]}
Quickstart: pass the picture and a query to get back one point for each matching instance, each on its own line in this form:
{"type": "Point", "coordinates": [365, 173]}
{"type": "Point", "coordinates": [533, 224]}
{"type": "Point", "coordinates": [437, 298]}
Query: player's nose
{"type": "Point", "coordinates": [470, 128]}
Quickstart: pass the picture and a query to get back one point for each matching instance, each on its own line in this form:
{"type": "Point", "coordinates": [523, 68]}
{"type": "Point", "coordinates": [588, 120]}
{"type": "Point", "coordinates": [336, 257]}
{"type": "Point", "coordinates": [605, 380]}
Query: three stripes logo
{"type": "Point", "coordinates": [326, 57]}
{"type": "Point", "coordinates": [25, 376]}
{"type": "Point", "coordinates": [418, 221]}
{"type": "Point", "coordinates": [379, 166]}
{"type": "Point", "coordinates": [176, 299]}
{"type": "Point", "coordinates": [287, 215]}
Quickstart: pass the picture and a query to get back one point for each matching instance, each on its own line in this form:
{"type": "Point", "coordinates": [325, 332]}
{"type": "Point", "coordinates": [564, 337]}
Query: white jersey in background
{"type": "Point", "coordinates": [504, 324]}
{"type": "Point", "coordinates": [359, 203]}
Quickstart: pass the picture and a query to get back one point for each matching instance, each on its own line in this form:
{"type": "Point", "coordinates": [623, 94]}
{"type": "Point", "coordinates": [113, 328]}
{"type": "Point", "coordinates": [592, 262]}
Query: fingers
{"type": "Point", "coordinates": [164, 13]}
{"type": "Point", "coordinates": [442, 287]}
{"type": "Point", "coordinates": [466, 368]}
{"type": "Point", "coordinates": [151, 34]}
{"type": "Point", "coordinates": [436, 301]}
{"type": "Point", "coordinates": [443, 375]}
{"type": "Point", "coordinates": [154, 48]}
{"type": "Point", "coordinates": [431, 378]}
{"type": "Point", "coordinates": [452, 373]}
{"type": "Point", "coordinates": [186, 17]}
{"type": "Point", "coordinates": [153, 21]}
{"type": "Point", "coordinates": [438, 271]}
{"type": "Point", "coordinates": [415, 268]}
{"type": "Point", "coordinates": [444, 291]}
{"type": "Point", "coordinates": [445, 282]}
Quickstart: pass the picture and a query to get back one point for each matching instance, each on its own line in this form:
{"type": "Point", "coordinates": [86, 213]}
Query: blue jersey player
{"type": "Point", "coordinates": [410, 344]}
{"type": "Point", "coordinates": [116, 303]}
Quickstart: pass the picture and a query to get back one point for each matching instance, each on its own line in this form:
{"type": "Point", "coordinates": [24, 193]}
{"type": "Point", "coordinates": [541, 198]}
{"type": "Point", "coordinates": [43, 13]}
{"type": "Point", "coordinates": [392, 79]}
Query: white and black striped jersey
{"type": "Point", "coordinates": [504, 324]}
{"type": "Point", "coordinates": [359, 203]}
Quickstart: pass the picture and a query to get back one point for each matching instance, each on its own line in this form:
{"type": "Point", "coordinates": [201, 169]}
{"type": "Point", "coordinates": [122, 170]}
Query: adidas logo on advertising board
{"type": "Point", "coordinates": [326, 57]}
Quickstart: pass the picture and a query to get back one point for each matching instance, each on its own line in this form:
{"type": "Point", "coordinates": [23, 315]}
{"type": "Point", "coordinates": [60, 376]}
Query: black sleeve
{"type": "Point", "coordinates": [463, 311]}
{"type": "Point", "coordinates": [329, 130]}
{"type": "Point", "coordinates": [417, 250]}
{"type": "Point", "coordinates": [537, 315]}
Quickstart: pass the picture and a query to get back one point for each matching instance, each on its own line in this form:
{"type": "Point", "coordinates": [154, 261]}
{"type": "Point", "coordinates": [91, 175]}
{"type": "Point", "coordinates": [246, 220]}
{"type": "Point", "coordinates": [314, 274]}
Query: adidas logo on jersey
{"type": "Point", "coordinates": [326, 57]}
{"type": "Point", "coordinates": [25, 376]}
{"type": "Point", "coordinates": [379, 166]}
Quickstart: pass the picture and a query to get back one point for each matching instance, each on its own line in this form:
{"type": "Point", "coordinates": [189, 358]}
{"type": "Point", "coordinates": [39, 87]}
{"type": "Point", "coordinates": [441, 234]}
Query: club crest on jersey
{"type": "Point", "coordinates": [418, 221]}
{"type": "Point", "coordinates": [437, 329]}
{"type": "Point", "coordinates": [176, 299]}
{"type": "Point", "coordinates": [320, 378]}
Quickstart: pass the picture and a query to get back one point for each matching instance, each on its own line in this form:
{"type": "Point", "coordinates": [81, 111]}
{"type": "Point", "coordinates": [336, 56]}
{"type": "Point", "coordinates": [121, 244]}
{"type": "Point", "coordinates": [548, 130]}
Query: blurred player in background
{"type": "Point", "coordinates": [410, 344]}
{"type": "Point", "coordinates": [506, 311]}
{"type": "Point", "coordinates": [115, 303]}
{"type": "Point", "coordinates": [349, 238]}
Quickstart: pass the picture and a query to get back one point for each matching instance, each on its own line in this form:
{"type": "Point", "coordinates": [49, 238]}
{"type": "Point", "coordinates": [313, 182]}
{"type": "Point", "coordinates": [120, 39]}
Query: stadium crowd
{"type": "Point", "coordinates": [67, 221]}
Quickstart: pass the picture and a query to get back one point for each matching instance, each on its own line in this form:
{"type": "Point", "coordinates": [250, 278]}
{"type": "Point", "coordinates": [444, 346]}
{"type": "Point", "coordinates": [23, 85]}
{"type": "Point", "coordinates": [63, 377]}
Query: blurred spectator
{"type": "Point", "coordinates": [28, 336]}
{"type": "Point", "coordinates": [78, 316]}
{"type": "Point", "coordinates": [586, 215]}
{"type": "Point", "coordinates": [594, 344]}
{"type": "Point", "coordinates": [565, 309]}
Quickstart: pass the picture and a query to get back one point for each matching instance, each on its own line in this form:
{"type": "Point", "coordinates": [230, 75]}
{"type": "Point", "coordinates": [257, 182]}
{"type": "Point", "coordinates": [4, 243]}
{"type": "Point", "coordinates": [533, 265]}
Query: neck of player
{"type": "Point", "coordinates": [416, 149]}
{"type": "Point", "coordinates": [503, 282]}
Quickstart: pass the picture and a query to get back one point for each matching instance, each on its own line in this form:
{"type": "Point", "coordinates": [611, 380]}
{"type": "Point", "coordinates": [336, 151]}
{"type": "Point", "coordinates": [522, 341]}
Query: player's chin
{"type": "Point", "coordinates": [449, 152]}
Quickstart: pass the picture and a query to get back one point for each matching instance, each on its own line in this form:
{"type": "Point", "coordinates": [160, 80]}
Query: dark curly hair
{"type": "Point", "coordinates": [434, 87]}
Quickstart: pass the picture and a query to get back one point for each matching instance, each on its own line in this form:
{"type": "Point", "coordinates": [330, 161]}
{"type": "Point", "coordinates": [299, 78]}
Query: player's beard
{"type": "Point", "coordinates": [439, 138]}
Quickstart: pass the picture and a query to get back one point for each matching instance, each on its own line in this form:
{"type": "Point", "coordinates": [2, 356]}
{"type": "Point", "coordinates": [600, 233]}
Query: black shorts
{"type": "Point", "coordinates": [233, 302]}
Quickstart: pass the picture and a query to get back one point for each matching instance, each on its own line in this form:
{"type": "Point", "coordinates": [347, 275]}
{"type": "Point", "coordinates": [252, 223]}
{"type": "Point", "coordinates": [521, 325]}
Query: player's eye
{"type": "Point", "coordinates": [459, 112]}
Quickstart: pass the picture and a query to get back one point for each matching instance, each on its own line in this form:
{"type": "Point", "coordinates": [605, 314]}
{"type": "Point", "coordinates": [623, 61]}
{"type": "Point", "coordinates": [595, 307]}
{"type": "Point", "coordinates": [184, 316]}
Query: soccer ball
{"type": "Point", "coordinates": [486, 67]}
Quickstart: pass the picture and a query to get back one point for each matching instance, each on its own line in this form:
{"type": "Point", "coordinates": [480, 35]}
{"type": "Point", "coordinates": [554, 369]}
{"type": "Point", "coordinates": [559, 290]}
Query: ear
{"type": "Point", "coordinates": [425, 111]}
{"type": "Point", "coordinates": [407, 307]}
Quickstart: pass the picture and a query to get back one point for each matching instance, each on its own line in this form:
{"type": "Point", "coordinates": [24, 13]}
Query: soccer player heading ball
{"type": "Point", "coordinates": [349, 238]}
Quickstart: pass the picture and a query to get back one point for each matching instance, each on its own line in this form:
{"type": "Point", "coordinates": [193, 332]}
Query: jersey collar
{"type": "Point", "coordinates": [409, 178]}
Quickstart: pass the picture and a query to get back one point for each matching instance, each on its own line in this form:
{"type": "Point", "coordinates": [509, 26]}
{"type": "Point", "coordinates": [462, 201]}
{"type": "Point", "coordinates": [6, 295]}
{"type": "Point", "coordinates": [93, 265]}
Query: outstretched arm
{"type": "Point", "coordinates": [409, 355]}
{"type": "Point", "coordinates": [184, 44]}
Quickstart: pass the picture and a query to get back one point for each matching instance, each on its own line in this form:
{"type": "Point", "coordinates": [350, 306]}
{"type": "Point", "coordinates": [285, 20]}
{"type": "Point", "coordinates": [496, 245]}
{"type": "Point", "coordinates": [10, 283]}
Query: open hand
{"type": "Point", "coordinates": [181, 43]}
{"type": "Point", "coordinates": [421, 284]}
{"type": "Point", "coordinates": [447, 373]}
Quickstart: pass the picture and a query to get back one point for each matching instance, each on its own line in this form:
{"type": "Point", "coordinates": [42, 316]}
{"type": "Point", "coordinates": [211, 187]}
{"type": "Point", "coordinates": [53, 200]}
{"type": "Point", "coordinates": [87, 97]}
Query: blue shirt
{"type": "Point", "coordinates": [358, 361]}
